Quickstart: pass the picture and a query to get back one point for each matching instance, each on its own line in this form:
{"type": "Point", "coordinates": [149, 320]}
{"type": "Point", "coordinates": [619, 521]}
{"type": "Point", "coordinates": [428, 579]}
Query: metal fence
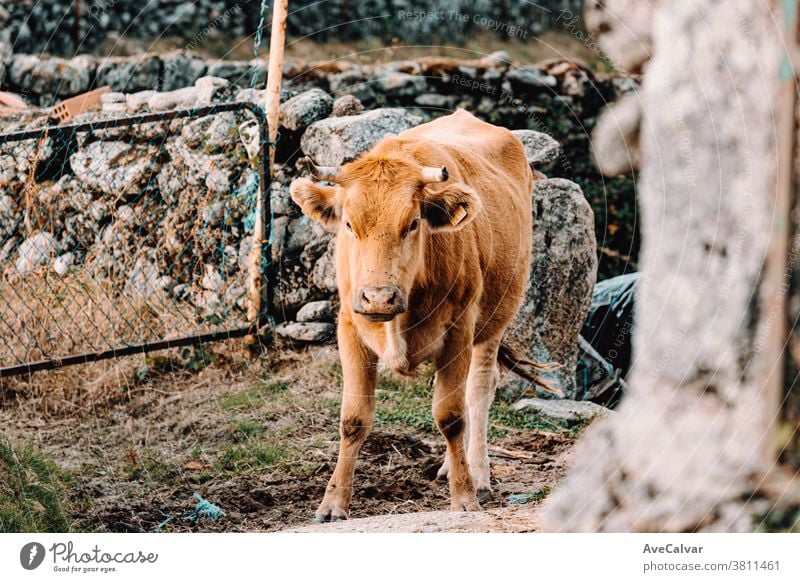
{"type": "Point", "coordinates": [125, 235]}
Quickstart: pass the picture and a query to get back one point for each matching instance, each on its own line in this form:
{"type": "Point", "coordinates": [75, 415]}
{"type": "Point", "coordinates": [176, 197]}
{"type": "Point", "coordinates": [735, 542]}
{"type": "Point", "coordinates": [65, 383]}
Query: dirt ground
{"type": "Point", "coordinates": [256, 438]}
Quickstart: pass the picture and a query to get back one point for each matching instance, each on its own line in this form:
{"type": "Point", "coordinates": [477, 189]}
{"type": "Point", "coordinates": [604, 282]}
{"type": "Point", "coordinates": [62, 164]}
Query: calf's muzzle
{"type": "Point", "coordinates": [379, 303]}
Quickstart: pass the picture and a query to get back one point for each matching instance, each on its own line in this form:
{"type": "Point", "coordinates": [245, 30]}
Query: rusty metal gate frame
{"type": "Point", "coordinates": [259, 238]}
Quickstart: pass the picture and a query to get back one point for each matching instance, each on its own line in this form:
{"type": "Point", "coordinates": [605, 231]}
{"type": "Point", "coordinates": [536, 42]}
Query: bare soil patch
{"type": "Point", "coordinates": [257, 438]}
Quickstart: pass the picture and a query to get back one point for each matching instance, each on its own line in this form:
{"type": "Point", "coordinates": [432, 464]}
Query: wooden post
{"type": "Point", "coordinates": [257, 292]}
{"type": "Point", "coordinates": [77, 30]}
{"type": "Point", "coordinates": [277, 42]}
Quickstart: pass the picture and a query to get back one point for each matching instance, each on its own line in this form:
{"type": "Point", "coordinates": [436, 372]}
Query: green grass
{"type": "Point", "coordinates": [253, 445]}
{"type": "Point", "coordinates": [33, 492]}
{"type": "Point", "coordinates": [405, 401]}
{"type": "Point", "coordinates": [145, 467]}
{"type": "Point", "coordinates": [256, 448]}
{"type": "Point", "coordinates": [503, 419]}
{"type": "Point", "coordinates": [254, 397]}
{"type": "Point", "coordinates": [252, 454]}
{"type": "Point", "coordinates": [244, 429]}
{"type": "Point", "coordinates": [261, 450]}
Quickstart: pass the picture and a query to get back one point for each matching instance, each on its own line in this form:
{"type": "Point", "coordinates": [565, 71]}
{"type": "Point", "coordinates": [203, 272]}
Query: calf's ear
{"type": "Point", "coordinates": [451, 208]}
{"type": "Point", "coordinates": [318, 202]}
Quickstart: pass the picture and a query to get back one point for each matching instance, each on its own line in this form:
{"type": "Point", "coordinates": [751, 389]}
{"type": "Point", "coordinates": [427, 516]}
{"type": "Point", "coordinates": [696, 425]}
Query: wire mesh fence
{"type": "Point", "coordinates": [128, 234]}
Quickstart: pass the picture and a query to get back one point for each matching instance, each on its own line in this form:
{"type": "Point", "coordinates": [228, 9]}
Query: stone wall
{"type": "Point", "coordinates": [162, 213]}
{"type": "Point", "coordinates": [556, 98]}
{"type": "Point", "coordinates": [49, 25]}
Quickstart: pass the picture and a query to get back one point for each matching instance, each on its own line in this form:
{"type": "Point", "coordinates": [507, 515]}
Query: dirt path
{"type": "Point", "coordinates": [518, 519]}
{"type": "Point", "coordinates": [260, 440]}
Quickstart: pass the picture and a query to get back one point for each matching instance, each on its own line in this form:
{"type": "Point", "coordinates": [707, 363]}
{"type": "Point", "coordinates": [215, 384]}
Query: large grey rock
{"type": "Point", "coordinates": [62, 264]}
{"type": "Point", "coordinates": [236, 72]}
{"type": "Point", "coordinates": [138, 100]}
{"type": "Point", "coordinates": [312, 332]}
{"type": "Point", "coordinates": [352, 82]}
{"type": "Point", "coordinates": [280, 199]}
{"type": "Point", "coordinates": [347, 105]}
{"type": "Point", "coordinates": [563, 274]}
{"type": "Point", "coordinates": [324, 274]}
{"type": "Point", "coordinates": [316, 247]}
{"type": "Point", "coordinates": [300, 233]}
{"type": "Point", "coordinates": [213, 134]}
{"type": "Point", "coordinates": [115, 167]}
{"type": "Point", "coordinates": [129, 75]}
{"type": "Point", "coordinates": [38, 249]}
{"type": "Point", "coordinates": [395, 84]}
{"type": "Point", "coordinates": [114, 103]}
{"type": "Point", "coordinates": [5, 56]}
{"type": "Point", "coordinates": [208, 87]}
{"type": "Point", "coordinates": [143, 280]}
{"type": "Point", "coordinates": [316, 311]}
{"type": "Point", "coordinates": [50, 77]}
{"type": "Point", "coordinates": [337, 140]}
{"type": "Point", "coordinates": [540, 149]}
{"type": "Point", "coordinates": [292, 290]}
{"type": "Point", "coordinates": [434, 101]}
{"type": "Point", "coordinates": [202, 93]}
{"type": "Point", "coordinates": [531, 77]}
{"type": "Point", "coordinates": [7, 215]}
{"type": "Point", "coordinates": [179, 98]}
{"type": "Point", "coordinates": [568, 412]}
{"type": "Point", "coordinates": [302, 110]}
{"type": "Point", "coordinates": [180, 69]}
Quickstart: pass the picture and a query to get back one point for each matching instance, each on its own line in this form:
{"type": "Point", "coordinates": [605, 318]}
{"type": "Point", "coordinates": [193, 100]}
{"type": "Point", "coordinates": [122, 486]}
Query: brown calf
{"type": "Point", "coordinates": [433, 247]}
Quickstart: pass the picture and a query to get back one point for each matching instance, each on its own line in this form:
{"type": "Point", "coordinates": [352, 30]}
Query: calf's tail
{"type": "Point", "coordinates": [513, 361]}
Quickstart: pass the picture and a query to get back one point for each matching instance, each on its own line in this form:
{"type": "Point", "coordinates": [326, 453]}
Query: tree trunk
{"type": "Point", "coordinates": [692, 443]}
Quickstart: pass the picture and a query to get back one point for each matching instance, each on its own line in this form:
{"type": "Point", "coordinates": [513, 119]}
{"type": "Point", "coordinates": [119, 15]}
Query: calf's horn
{"type": "Point", "coordinates": [327, 173]}
{"type": "Point", "coordinates": [432, 175]}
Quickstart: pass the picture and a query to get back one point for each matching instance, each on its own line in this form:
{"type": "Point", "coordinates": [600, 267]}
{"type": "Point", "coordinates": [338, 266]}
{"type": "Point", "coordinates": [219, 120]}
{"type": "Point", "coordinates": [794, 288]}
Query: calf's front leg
{"type": "Point", "coordinates": [449, 412]}
{"type": "Point", "coordinates": [357, 416]}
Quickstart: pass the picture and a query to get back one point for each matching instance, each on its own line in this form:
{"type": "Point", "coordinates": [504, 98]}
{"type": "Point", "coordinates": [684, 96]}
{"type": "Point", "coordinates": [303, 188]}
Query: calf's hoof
{"type": "Point", "coordinates": [444, 472]}
{"type": "Point", "coordinates": [465, 504]}
{"type": "Point", "coordinates": [328, 517]}
{"type": "Point", "coordinates": [484, 495]}
{"type": "Point", "coordinates": [330, 511]}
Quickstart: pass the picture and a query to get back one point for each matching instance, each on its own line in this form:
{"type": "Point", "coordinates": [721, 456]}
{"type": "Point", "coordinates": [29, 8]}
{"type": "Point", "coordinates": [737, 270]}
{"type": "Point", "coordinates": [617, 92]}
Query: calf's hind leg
{"type": "Point", "coordinates": [358, 415]}
{"type": "Point", "coordinates": [481, 386]}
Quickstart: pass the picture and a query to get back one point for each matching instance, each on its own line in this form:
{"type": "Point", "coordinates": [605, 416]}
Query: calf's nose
{"type": "Point", "coordinates": [385, 300]}
{"type": "Point", "coordinates": [379, 296]}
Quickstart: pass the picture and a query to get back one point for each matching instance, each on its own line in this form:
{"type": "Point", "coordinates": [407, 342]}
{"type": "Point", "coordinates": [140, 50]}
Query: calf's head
{"type": "Point", "coordinates": [385, 208]}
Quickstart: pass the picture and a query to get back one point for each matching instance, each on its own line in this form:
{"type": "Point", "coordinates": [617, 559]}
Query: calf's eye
{"type": "Point", "coordinates": [414, 225]}
{"type": "Point", "coordinates": [348, 226]}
